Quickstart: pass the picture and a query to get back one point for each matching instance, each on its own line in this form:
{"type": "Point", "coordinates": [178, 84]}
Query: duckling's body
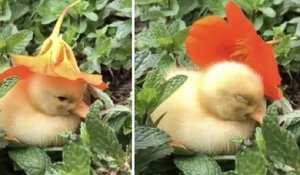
{"type": "Point", "coordinates": [39, 108]}
{"type": "Point", "coordinates": [204, 115]}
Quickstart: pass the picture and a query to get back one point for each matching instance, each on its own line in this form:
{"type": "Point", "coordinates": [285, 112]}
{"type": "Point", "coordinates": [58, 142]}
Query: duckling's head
{"type": "Point", "coordinates": [233, 91]}
{"type": "Point", "coordinates": [54, 95]}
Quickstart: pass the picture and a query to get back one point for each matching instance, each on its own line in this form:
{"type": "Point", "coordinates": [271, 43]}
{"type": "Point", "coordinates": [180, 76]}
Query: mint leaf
{"type": "Point", "coordinates": [7, 85]}
{"type": "Point", "coordinates": [145, 61]}
{"type": "Point", "coordinates": [281, 144]}
{"type": "Point", "coordinates": [102, 137]}
{"type": "Point", "coordinates": [5, 13]}
{"type": "Point", "coordinates": [147, 137]}
{"type": "Point", "coordinates": [251, 162]}
{"type": "Point", "coordinates": [17, 42]}
{"type": "Point", "coordinates": [3, 142]}
{"type": "Point", "coordinates": [154, 80]}
{"type": "Point", "coordinates": [32, 160]}
{"type": "Point", "coordinates": [197, 165]}
{"type": "Point", "coordinates": [144, 156]}
{"type": "Point", "coordinates": [76, 159]}
{"type": "Point", "coordinates": [172, 85]}
{"type": "Point", "coordinates": [268, 11]}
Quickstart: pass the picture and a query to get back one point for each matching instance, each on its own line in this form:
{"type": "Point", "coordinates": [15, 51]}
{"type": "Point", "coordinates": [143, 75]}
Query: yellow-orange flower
{"type": "Point", "coordinates": [213, 39]}
{"type": "Point", "coordinates": [56, 58]}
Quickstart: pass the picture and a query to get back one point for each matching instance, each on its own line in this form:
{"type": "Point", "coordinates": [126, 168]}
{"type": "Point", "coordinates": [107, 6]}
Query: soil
{"type": "Point", "coordinates": [120, 85]}
{"type": "Point", "coordinates": [293, 87]}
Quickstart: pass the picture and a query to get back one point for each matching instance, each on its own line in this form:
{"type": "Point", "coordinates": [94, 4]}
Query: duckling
{"type": "Point", "coordinates": [213, 107]}
{"type": "Point", "coordinates": [37, 109]}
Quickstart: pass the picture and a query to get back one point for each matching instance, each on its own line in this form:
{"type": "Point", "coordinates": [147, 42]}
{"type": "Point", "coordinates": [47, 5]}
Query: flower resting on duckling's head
{"type": "Point", "coordinates": [213, 39]}
{"type": "Point", "coordinates": [56, 59]}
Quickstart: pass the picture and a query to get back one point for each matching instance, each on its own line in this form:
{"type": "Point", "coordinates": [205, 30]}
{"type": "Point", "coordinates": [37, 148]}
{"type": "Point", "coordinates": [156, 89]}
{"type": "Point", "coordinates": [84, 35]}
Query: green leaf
{"type": "Point", "coordinates": [104, 46]}
{"type": "Point", "coordinates": [91, 16]}
{"type": "Point", "coordinates": [102, 137]}
{"type": "Point", "coordinates": [150, 137]}
{"type": "Point", "coordinates": [258, 22]}
{"type": "Point", "coordinates": [76, 159]}
{"type": "Point", "coordinates": [154, 80]}
{"type": "Point", "coordinates": [297, 33]}
{"type": "Point", "coordinates": [144, 156]}
{"type": "Point", "coordinates": [7, 85]}
{"type": "Point", "coordinates": [18, 10]}
{"type": "Point", "coordinates": [176, 26]}
{"type": "Point", "coordinates": [197, 165]}
{"type": "Point", "coordinates": [147, 99]}
{"type": "Point", "coordinates": [281, 144]}
{"type": "Point", "coordinates": [32, 160]}
{"type": "Point", "coordinates": [3, 142]}
{"type": "Point", "coordinates": [5, 13]}
{"type": "Point", "coordinates": [229, 173]}
{"type": "Point", "coordinates": [251, 162]}
{"type": "Point", "coordinates": [122, 5]}
{"type": "Point", "coordinates": [144, 2]}
{"type": "Point", "coordinates": [69, 35]}
{"type": "Point", "coordinates": [186, 6]}
{"type": "Point", "coordinates": [172, 9]}
{"type": "Point", "coordinates": [157, 36]}
{"type": "Point", "coordinates": [100, 4]}
{"type": "Point", "coordinates": [123, 28]}
{"type": "Point", "coordinates": [160, 33]}
{"type": "Point", "coordinates": [172, 85]}
{"type": "Point", "coordinates": [260, 140]}
{"type": "Point", "coordinates": [146, 40]}
{"type": "Point", "coordinates": [17, 42]}
{"type": "Point", "coordinates": [9, 30]}
{"type": "Point", "coordinates": [277, 2]}
{"type": "Point", "coordinates": [217, 7]}
{"type": "Point", "coordinates": [145, 61]}
{"type": "Point", "coordinates": [268, 11]}
{"type": "Point", "coordinates": [179, 38]}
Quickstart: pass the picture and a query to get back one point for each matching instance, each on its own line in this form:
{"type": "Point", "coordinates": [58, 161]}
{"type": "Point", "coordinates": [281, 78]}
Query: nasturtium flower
{"type": "Point", "coordinates": [56, 58]}
{"type": "Point", "coordinates": [213, 39]}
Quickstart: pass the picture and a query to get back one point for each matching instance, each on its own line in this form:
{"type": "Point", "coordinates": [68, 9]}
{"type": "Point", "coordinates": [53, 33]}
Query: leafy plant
{"type": "Point", "coordinates": [161, 28]}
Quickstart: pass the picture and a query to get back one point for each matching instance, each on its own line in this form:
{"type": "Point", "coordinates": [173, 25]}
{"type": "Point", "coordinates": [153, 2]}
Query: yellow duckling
{"type": "Point", "coordinates": [39, 108]}
{"type": "Point", "coordinates": [213, 107]}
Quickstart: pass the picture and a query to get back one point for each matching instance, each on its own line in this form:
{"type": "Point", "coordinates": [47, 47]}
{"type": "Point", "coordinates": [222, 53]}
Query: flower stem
{"type": "Point", "coordinates": [57, 27]}
{"type": "Point", "coordinates": [274, 41]}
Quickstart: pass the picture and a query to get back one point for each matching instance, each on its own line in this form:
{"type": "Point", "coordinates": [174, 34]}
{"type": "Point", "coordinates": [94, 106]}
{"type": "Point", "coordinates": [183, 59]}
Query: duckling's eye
{"type": "Point", "coordinates": [62, 98]}
{"type": "Point", "coordinates": [241, 99]}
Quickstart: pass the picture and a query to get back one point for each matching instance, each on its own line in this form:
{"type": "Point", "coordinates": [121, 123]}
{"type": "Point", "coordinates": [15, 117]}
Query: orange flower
{"type": "Point", "coordinates": [56, 58]}
{"type": "Point", "coordinates": [213, 39]}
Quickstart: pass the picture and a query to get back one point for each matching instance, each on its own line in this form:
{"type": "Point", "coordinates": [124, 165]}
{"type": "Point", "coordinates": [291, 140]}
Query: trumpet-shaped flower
{"type": "Point", "coordinates": [213, 39]}
{"type": "Point", "coordinates": [56, 58]}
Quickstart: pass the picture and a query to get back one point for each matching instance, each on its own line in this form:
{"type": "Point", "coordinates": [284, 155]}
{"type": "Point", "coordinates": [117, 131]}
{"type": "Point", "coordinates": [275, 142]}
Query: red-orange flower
{"type": "Point", "coordinates": [213, 39]}
{"type": "Point", "coordinates": [56, 58]}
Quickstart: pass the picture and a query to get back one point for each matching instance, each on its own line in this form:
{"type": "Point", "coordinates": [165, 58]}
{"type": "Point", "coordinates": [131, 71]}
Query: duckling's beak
{"type": "Point", "coordinates": [82, 109]}
{"type": "Point", "coordinates": [259, 113]}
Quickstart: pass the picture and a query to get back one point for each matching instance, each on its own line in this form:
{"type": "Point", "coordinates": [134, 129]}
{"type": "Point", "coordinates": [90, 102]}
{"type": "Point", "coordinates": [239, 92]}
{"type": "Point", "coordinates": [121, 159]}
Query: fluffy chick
{"type": "Point", "coordinates": [213, 107]}
{"type": "Point", "coordinates": [37, 109]}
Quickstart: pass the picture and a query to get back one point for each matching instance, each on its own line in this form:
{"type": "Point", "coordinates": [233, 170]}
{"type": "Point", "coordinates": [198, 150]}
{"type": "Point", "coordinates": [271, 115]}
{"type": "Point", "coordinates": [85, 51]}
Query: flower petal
{"type": "Point", "coordinates": [209, 41]}
{"type": "Point", "coordinates": [95, 80]}
{"type": "Point", "coordinates": [35, 64]}
{"type": "Point", "coordinates": [18, 71]}
{"type": "Point", "coordinates": [65, 68]}
{"type": "Point", "coordinates": [262, 59]}
{"type": "Point", "coordinates": [239, 23]}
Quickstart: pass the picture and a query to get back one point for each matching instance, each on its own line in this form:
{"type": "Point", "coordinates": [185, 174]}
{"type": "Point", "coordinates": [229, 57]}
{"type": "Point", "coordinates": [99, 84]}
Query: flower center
{"type": "Point", "coordinates": [241, 50]}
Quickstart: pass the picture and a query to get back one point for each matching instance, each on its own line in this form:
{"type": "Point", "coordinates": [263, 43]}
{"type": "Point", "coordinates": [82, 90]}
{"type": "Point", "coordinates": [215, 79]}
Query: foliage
{"type": "Point", "coordinates": [161, 28]}
{"type": "Point", "coordinates": [99, 32]}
